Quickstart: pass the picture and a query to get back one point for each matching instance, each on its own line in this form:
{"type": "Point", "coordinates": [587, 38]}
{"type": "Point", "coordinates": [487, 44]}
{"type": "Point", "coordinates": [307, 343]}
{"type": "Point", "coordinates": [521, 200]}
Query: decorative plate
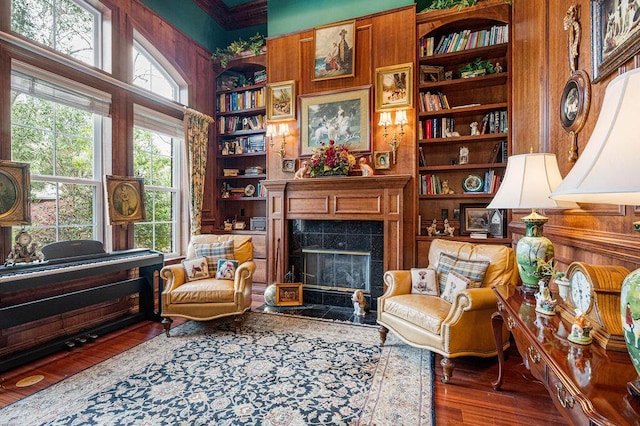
{"type": "Point", "coordinates": [472, 183]}
{"type": "Point", "coordinates": [249, 190]}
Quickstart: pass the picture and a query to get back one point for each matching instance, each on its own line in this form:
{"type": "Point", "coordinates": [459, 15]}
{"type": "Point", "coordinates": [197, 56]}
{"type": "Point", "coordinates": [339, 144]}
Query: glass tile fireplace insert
{"type": "Point", "coordinates": [336, 269]}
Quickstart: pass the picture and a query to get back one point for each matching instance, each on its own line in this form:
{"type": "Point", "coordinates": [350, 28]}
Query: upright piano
{"type": "Point", "coordinates": [78, 290]}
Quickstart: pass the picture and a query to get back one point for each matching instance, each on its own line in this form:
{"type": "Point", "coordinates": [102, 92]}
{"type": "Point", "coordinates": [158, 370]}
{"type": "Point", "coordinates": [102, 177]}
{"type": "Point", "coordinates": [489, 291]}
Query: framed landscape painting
{"type": "Point", "coordinates": [334, 50]}
{"type": "Point", "coordinates": [281, 101]}
{"type": "Point", "coordinates": [341, 116]}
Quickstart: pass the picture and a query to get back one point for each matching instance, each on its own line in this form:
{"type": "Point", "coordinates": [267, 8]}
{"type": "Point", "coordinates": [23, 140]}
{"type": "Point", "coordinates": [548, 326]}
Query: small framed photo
{"type": "Point", "coordinates": [463, 155]}
{"type": "Point", "coordinates": [575, 102]}
{"type": "Point", "coordinates": [15, 200]}
{"type": "Point", "coordinates": [289, 165]}
{"type": "Point", "coordinates": [381, 160]}
{"type": "Point", "coordinates": [474, 218]}
{"type": "Point", "coordinates": [334, 50]}
{"type": "Point", "coordinates": [394, 87]}
{"type": "Point", "coordinates": [281, 99]}
{"type": "Point", "coordinates": [125, 199]}
{"type": "Point", "coordinates": [288, 294]}
{"type": "Point", "coordinates": [431, 74]}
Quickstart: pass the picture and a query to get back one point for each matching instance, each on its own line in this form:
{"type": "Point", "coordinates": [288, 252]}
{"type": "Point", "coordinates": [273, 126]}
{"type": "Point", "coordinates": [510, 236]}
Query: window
{"type": "Point", "coordinates": [156, 155]}
{"type": "Point", "coordinates": [148, 74]}
{"type": "Point", "coordinates": [71, 27]}
{"type": "Point", "coordinates": [57, 127]}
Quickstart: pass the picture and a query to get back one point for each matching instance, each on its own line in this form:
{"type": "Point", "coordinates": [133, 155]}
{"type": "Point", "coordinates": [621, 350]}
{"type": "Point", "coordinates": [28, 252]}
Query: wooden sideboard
{"type": "Point", "coordinates": [587, 384]}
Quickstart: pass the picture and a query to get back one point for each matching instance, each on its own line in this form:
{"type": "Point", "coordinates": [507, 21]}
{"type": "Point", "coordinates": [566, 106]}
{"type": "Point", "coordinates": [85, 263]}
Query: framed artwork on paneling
{"type": "Point", "coordinates": [125, 198]}
{"type": "Point", "coordinates": [334, 50]}
{"type": "Point", "coordinates": [15, 200]}
{"type": "Point", "coordinates": [615, 35]}
{"type": "Point", "coordinates": [394, 87]}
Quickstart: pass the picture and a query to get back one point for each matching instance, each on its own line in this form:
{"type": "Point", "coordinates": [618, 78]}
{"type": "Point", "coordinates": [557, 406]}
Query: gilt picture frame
{"type": "Point", "coordinates": [575, 102]}
{"type": "Point", "coordinates": [394, 87]}
{"type": "Point", "coordinates": [288, 294]}
{"type": "Point", "coordinates": [125, 199]}
{"type": "Point", "coordinates": [281, 98]}
{"type": "Point", "coordinates": [381, 160]}
{"type": "Point", "coordinates": [615, 36]}
{"type": "Point", "coordinates": [474, 217]}
{"type": "Point", "coordinates": [334, 51]}
{"type": "Point", "coordinates": [340, 115]}
{"type": "Point", "coordinates": [15, 198]}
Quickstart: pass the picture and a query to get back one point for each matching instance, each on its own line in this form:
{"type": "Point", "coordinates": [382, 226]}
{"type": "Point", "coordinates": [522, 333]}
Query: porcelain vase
{"type": "Point", "coordinates": [630, 316]}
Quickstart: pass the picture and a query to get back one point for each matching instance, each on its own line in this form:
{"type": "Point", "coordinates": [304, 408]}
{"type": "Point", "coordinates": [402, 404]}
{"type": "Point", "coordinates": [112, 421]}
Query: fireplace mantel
{"type": "Point", "coordinates": [336, 198]}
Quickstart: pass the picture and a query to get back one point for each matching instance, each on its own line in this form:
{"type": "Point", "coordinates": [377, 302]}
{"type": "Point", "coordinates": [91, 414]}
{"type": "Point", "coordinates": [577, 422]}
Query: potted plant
{"type": "Point", "coordinates": [448, 4]}
{"type": "Point", "coordinates": [476, 68]}
{"type": "Point", "coordinates": [238, 48]}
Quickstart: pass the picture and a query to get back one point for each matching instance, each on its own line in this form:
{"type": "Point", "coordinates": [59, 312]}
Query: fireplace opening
{"type": "Point", "coordinates": [333, 258]}
{"type": "Point", "coordinates": [336, 269]}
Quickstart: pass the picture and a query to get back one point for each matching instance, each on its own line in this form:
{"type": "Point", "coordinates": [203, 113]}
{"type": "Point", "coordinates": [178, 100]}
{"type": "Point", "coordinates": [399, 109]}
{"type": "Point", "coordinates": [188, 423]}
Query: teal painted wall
{"type": "Point", "coordinates": [286, 16]}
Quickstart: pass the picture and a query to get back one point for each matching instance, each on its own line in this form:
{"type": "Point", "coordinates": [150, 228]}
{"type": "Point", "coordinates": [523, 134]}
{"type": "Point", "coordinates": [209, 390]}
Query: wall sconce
{"type": "Point", "coordinates": [284, 132]}
{"type": "Point", "coordinates": [385, 121]}
{"type": "Point", "coordinates": [271, 132]}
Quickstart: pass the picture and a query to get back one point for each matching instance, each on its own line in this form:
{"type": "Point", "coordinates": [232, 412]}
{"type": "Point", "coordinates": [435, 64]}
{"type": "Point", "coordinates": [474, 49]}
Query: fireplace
{"type": "Point", "coordinates": [333, 258]}
{"type": "Point", "coordinates": [339, 214]}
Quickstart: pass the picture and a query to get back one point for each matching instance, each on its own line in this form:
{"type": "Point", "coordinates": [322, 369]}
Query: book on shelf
{"type": "Point", "coordinates": [421, 159]}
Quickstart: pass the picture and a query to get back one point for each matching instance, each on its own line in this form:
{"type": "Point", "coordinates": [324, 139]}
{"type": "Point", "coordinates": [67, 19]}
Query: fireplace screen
{"type": "Point", "coordinates": [336, 269]}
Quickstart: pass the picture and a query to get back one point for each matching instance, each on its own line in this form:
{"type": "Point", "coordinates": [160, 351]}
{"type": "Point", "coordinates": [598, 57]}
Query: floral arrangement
{"type": "Point", "coordinates": [331, 159]}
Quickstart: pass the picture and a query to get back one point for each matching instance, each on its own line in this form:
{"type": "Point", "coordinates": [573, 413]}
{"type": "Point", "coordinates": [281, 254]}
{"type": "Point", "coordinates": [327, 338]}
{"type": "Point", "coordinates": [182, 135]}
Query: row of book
{"type": "Point", "coordinates": [237, 101]}
{"type": "Point", "coordinates": [231, 124]}
{"type": "Point", "coordinates": [430, 185]}
{"type": "Point", "coordinates": [464, 40]}
{"type": "Point", "coordinates": [433, 101]}
{"type": "Point", "coordinates": [495, 122]}
{"type": "Point", "coordinates": [436, 128]}
{"type": "Point", "coordinates": [243, 145]}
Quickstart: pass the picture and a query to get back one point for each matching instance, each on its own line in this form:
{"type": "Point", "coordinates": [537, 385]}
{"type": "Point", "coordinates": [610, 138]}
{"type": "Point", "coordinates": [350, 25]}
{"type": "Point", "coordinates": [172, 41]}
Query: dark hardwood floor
{"type": "Point", "coordinates": [467, 400]}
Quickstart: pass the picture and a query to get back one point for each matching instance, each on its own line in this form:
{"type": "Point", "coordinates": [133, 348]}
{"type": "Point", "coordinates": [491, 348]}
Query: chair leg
{"type": "Point", "coordinates": [383, 334]}
{"type": "Point", "coordinates": [166, 323]}
{"type": "Point", "coordinates": [447, 369]}
{"type": "Point", "coordinates": [238, 320]}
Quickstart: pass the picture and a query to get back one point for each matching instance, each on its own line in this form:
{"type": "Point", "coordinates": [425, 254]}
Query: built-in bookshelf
{"type": "Point", "coordinates": [463, 136]}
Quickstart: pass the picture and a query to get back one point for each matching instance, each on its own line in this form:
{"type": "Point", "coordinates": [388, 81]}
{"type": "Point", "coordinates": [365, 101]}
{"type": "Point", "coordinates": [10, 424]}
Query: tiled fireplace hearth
{"type": "Point", "coordinates": [332, 219]}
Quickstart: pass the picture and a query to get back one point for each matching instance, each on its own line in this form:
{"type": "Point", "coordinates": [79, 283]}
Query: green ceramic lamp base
{"type": "Point", "coordinates": [530, 248]}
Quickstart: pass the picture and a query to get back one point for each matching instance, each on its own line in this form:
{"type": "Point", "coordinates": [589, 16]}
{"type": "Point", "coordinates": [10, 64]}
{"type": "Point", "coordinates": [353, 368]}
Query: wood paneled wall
{"type": "Point", "coordinates": [382, 39]}
{"type": "Point", "coordinates": [597, 234]}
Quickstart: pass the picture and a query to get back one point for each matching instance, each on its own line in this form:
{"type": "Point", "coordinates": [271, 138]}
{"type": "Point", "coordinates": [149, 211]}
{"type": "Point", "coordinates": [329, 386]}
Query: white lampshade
{"type": "Point", "coordinates": [401, 117]}
{"type": "Point", "coordinates": [606, 172]}
{"type": "Point", "coordinates": [271, 130]}
{"type": "Point", "coordinates": [385, 119]}
{"type": "Point", "coordinates": [527, 183]}
{"type": "Point", "coordinates": [284, 129]}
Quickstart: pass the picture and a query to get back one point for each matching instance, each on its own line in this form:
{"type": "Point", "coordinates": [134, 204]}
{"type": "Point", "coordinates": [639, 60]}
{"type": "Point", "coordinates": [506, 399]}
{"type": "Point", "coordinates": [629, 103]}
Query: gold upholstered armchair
{"type": "Point", "coordinates": [447, 307]}
{"type": "Point", "coordinates": [213, 281]}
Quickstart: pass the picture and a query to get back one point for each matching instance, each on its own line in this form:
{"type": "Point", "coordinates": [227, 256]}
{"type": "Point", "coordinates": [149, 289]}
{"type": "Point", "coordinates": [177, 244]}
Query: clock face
{"type": "Point", "coordinates": [581, 291]}
{"type": "Point", "coordinates": [23, 238]}
{"type": "Point", "coordinates": [249, 190]}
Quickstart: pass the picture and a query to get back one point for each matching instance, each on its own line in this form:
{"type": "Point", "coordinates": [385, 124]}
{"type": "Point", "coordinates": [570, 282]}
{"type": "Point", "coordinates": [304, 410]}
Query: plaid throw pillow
{"type": "Point", "coordinates": [474, 270]}
{"type": "Point", "coordinates": [214, 252]}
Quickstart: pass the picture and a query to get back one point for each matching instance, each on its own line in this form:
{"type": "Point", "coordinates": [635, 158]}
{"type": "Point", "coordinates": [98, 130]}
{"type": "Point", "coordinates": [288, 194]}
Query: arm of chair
{"type": "Point", "coordinates": [244, 279]}
{"type": "Point", "coordinates": [173, 275]}
{"type": "Point", "coordinates": [398, 282]}
{"type": "Point", "coordinates": [471, 299]}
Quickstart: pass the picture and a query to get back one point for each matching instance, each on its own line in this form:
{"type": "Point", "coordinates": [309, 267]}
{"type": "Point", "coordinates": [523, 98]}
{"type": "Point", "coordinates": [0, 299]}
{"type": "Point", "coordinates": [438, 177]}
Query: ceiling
{"type": "Point", "coordinates": [234, 14]}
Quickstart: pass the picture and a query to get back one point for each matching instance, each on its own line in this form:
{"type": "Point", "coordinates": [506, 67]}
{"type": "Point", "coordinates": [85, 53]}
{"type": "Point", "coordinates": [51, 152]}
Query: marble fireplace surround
{"type": "Point", "coordinates": [378, 198]}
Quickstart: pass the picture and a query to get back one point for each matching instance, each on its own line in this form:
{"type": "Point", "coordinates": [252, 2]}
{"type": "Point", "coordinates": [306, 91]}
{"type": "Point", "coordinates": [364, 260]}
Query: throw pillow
{"type": "Point", "coordinates": [472, 269]}
{"type": "Point", "coordinates": [423, 281]}
{"type": "Point", "coordinates": [455, 284]}
{"type": "Point", "coordinates": [214, 252]}
{"type": "Point", "coordinates": [226, 269]}
{"type": "Point", "coordinates": [196, 269]}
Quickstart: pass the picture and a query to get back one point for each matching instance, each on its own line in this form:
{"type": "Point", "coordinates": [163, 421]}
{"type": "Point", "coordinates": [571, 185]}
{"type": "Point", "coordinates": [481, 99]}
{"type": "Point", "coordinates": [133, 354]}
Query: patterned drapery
{"type": "Point", "coordinates": [196, 128]}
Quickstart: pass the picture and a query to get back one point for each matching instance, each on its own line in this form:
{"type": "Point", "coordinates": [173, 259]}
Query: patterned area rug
{"type": "Point", "coordinates": [281, 370]}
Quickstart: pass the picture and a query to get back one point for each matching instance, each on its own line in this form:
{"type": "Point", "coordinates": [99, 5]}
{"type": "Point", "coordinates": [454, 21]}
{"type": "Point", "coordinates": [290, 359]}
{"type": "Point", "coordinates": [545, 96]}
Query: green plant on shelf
{"type": "Point", "coordinates": [477, 67]}
{"type": "Point", "coordinates": [236, 47]}
{"type": "Point", "coordinates": [448, 4]}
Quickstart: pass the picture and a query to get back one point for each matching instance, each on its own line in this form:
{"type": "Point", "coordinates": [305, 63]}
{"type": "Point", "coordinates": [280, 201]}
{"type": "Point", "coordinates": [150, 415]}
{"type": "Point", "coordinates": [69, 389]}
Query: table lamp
{"type": "Point", "coordinates": [527, 183]}
{"type": "Point", "coordinates": [606, 172]}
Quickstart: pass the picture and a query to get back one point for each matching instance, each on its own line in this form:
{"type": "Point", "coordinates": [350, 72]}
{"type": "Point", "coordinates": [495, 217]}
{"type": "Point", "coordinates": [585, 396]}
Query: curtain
{"type": "Point", "coordinates": [196, 129]}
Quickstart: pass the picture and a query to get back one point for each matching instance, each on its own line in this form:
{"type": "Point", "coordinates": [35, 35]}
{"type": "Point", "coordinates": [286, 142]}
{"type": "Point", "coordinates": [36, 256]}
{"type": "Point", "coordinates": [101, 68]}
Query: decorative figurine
{"type": "Point", "coordinates": [445, 187]}
{"type": "Point", "coordinates": [580, 330]}
{"type": "Point", "coordinates": [474, 128]}
{"type": "Point", "coordinates": [463, 155]}
{"type": "Point", "coordinates": [303, 171]}
{"type": "Point", "coordinates": [545, 304]}
{"type": "Point", "coordinates": [448, 230]}
{"type": "Point", "coordinates": [433, 230]}
{"type": "Point", "coordinates": [225, 149]}
{"type": "Point", "coordinates": [24, 250]}
{"type": "Point", "coordinates": [451, 134]}
{"type": "Point", "coordinates": [359, 303]}
{"type": "Point", "coordinates": [366, 168]}
{"type": "Point", "coordinates": [498, 68]}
